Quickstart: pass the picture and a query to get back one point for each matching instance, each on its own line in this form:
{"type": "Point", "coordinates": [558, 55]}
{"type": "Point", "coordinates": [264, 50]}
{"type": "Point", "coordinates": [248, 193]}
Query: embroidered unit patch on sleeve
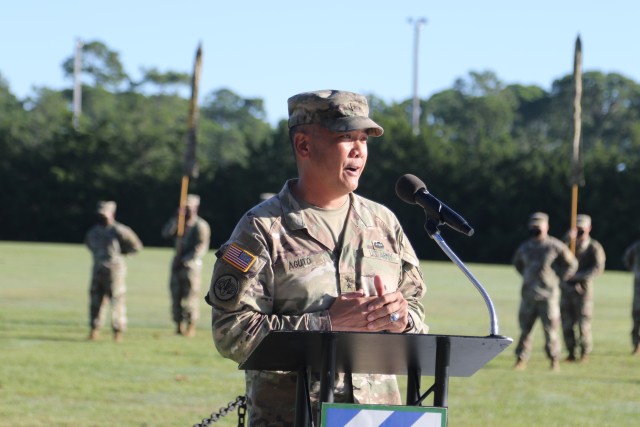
{"type": "Point", "coordinates": [226, 288]}
{"type": "Point", "coordinates": [239, 258]}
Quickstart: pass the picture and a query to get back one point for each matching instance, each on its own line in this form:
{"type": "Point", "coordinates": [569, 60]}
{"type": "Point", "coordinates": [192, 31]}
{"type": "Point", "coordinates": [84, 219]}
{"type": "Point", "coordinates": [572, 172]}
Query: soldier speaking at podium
{"type": "Point", "coordinates": [316, 257]}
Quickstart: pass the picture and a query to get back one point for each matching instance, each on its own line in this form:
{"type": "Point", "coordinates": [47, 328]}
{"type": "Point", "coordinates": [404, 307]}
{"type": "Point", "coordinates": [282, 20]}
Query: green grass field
{"type": "Point", "coordinates": [51, 376]}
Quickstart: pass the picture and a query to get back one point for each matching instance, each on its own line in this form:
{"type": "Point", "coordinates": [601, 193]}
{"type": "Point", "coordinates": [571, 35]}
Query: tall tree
{"type": "Point", "coordinates": [99, 62]}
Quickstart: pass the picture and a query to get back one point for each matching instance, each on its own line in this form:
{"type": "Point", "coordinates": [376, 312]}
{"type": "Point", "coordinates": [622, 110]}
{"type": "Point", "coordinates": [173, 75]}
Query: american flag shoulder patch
{"type": "Point", "coordinates": [239, 258]}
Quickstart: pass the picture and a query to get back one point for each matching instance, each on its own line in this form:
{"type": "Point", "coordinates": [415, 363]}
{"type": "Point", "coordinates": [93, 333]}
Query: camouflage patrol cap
{"type": "Point", "coordinates": [337, 110]}
{"type": "Point", "coordinates": [106, 207]}
{"type": "Point", "coordinates": [193, 200]}
{"type": "Point", "coordinates": [583, 221]}
{"type": "Point", "coordinates": [538, 218]}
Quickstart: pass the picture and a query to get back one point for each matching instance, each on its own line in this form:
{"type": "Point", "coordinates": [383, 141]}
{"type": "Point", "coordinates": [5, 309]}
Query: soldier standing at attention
{"type": "Point", "coordinates": [186, 266]}
{"type": "Point", "coordinates": [576, 300]}
{"type": "Point", "coordinates": [542, 261]}
{"type": "Point", "coordinates": [108, 241]}
{"type": "Point", "coordinates": [631, 260]}
{"type": "Point", "coordinates": [316, 257]}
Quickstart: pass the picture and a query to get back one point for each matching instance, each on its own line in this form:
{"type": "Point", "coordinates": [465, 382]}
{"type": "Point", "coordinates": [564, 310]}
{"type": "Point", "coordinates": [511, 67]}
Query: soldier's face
{"type": "Point", "coordinates": [583, 232]}
{"type": "Point", "coordinates": [338, 158]}
{"type": "Point", "coordinates": [188, 213]}
{"type": "Point", "coordinates": [102, 219]}
{"type": "Point", "coordinates": [539, 231]}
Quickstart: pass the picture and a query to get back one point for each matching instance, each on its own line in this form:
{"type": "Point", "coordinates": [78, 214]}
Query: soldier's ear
{"type": "Point", "coordinates": [301, 144]}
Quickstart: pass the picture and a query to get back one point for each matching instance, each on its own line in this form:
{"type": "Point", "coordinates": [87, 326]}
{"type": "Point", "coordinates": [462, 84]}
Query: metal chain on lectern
{"type": "Point", "coordinates": [240, 403]}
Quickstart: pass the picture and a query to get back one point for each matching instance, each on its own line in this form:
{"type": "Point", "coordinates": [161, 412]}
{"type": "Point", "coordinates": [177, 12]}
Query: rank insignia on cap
{"type": "Point", "coordinates": [239, 258]}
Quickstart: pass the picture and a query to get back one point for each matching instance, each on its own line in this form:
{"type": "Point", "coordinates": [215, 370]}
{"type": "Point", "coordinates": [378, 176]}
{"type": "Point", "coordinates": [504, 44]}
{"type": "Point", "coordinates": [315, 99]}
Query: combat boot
{"type": "Point", "coordinates": [636, 350]}
{"type": "Point", "coordinates": [117, 336]}
{"type": "Point", "coordinates": [179, 328]}
{"type": "Point", "coordinates": [93, 335]}
{"type": "Point", "coordinates": [555, 365]}
{"type": "Point", "coordinates": [520, 365]}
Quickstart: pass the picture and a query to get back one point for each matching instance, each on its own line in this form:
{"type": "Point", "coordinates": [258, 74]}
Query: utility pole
{"type": "Point", "coordinates": [77, 85]}
{"type": "Point", "coordinates": [415, 112]}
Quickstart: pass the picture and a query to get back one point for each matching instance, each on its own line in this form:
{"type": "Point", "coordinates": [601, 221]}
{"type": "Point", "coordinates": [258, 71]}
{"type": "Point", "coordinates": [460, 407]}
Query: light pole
{"type": "Point", "coordinates": [77, 84]}
{"type": "Point", "coordinates": [415, 112]}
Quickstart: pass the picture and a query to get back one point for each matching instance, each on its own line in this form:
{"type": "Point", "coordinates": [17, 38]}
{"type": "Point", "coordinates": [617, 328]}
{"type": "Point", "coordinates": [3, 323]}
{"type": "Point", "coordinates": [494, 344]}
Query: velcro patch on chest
{"type": "Point", "coordinates": [381, 255]}
{"type": "Point", "coordinates": [301, 262]}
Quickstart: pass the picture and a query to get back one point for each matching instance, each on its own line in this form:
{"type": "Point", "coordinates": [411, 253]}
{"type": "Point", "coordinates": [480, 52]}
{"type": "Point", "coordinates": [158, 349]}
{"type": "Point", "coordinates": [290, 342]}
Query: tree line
{"type": "Point", "coordinates": [493, 152]}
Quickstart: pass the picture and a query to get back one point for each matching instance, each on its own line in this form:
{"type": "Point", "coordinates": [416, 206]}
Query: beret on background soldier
{"type": "Point", "coordinates": [337, 110]}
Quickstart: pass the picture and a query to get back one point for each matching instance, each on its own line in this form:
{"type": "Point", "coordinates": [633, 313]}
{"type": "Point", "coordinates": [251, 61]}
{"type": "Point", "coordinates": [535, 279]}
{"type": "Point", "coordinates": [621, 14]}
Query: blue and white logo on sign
{"type": "Point", "coordinates": [344, 415]}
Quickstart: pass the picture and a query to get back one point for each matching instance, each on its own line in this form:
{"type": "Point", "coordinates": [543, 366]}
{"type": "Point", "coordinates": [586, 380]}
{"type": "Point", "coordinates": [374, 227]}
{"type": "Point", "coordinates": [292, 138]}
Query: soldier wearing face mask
{"type": "Point", "coordinates": [576, 301]}
{"type": "Point", "coordinates": [109, 242]}
{"type": "Point", "coordinates": [543, 262]}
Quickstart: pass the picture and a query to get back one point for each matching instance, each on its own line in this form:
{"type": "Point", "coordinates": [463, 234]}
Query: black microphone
{"type": "Point", "coordinates": [413, 191]}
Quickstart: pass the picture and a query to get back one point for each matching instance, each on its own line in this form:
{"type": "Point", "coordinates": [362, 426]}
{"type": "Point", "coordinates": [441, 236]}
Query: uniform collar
{"type": "Point", "coordinates": [294, 217]}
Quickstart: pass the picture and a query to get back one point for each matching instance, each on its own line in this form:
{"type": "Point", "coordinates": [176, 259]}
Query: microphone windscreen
{"type": "Point", "coordinates": [407, 186]}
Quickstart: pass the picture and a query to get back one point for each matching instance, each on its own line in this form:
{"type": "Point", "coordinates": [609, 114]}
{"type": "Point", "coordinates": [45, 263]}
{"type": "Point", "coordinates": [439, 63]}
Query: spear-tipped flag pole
{"type": "Point", "coordinates": [577, 177]}
{"type": "Point", "coordinates": [191, 170]}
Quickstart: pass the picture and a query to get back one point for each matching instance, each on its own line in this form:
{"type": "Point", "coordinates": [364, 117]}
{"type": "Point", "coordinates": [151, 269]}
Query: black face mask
{"type": "Point", "coordinates": [534, 232]}
{"type": "Point", "coordinates": [580, 232]}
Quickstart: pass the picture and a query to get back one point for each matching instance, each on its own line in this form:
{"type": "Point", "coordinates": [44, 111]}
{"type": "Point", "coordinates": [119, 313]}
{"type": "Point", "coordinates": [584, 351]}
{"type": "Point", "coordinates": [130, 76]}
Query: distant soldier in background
{"type": "Point", "coordinates": [542, 261]}
{"type": "Point", "coordinates": [108, 241]}
{"type": "Point", "coordinates": [186, 267]}
{"type": "Point", "coordinates": [631, 260]}
{"type": "Point", "coordinates": [576, 301]}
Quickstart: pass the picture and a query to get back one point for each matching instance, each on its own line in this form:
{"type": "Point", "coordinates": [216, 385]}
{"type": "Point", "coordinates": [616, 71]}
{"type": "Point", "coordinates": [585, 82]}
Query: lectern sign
{"type": "Point", "coordinates": [349, 415]}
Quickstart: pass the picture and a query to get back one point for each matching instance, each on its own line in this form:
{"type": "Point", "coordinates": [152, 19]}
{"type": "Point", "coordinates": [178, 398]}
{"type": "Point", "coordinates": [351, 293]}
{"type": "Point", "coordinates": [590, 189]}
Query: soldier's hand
{"type": "Point", "coordinates": [387, 311]}
{"type": "Point", "coordinates": [349, 311]}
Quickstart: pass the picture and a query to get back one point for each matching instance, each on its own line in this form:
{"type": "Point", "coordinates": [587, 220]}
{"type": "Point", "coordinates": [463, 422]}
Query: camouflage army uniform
{"type": "Point", "coordinates": [576, 301]}
{"type": "Point", "coordinates": [279, 271]}
{"type": "Point", "coordinates": [632, 262]}
{"type": "Point", "coordinates": [542, 264]}
{"type": "Point", "coordinates": [186, 280]}
{"type": "Point", "coordinates": [108, 244]}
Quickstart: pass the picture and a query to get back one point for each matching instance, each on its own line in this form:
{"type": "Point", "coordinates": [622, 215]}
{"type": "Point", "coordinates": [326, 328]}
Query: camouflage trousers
{"type": "Point", "coordinates": [635, 313]}
{"type": "Point", "coordinates": [549, 313]}
{"type": "Point", "coordinates": [576, 311]}
{"type": "Point", "coordinates": [108, 285]}
{"type": "Point", "coordinates": [185, 294]}
{"type": "Point", "coordinates": [271, 396]}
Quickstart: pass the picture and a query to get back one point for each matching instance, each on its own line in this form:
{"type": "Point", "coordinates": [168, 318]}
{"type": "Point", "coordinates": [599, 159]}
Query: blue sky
{"type": "Point", "coordinates": [274, 49]}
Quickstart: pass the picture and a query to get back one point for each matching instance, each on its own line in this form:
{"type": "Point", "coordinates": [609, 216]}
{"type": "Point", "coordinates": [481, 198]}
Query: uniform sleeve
{"type": "Point", "coordinates": [594, 265]}
{"type": "Point", "coordinates": [130, 243]}
{"type": "Point", "coordinates": [629, 255]}
{"type": "Point", "coordinates": [566, 263]}
{"type": "Point", "coordinates": [240, 296]}
{"type": "Point", "coordinates": [413, 288]}
{"type": "Point", "coordinates": [170, 228]}
{"type": "Point", "coordinates": [200, 244]}
{"type": "Point", "coordinates": [518, 261]}
{"type": "Point", "coordinates": [87, 240]}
